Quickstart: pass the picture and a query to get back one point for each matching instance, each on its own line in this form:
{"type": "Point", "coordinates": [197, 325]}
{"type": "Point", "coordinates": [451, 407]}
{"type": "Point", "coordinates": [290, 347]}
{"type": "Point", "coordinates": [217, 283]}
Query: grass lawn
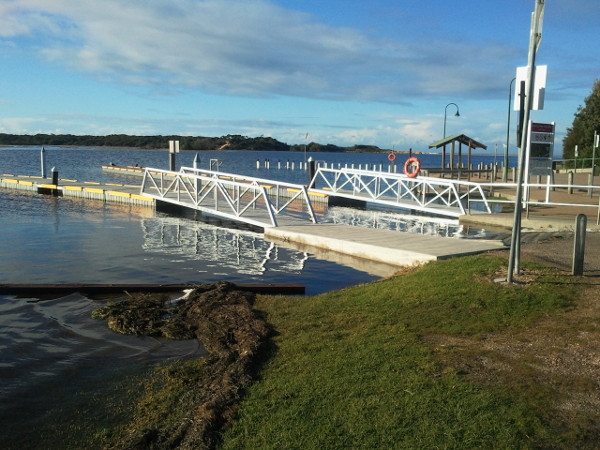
{"type": "Point", "coordinates": [354, 369]}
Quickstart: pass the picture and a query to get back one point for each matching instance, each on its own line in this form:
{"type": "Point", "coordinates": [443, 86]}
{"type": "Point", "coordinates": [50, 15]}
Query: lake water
{"type": "Point", "coordinates": [52, 351]}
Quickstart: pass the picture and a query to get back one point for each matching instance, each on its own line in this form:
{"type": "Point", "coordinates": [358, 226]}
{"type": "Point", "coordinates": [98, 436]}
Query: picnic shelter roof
{"type": "Point", "coordinates": [461, 138]}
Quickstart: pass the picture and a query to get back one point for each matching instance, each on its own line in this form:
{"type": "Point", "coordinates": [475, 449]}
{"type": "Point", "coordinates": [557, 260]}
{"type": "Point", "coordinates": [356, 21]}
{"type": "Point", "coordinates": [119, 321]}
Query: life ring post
{"type": "Point", "coordinates": [391, 157]}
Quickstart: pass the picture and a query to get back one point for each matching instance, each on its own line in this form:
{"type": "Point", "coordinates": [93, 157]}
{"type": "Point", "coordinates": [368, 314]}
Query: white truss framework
{"type": "Point", "coordinates": [439, 196]}
{"type": "Point", "coordinates": [236, 197]}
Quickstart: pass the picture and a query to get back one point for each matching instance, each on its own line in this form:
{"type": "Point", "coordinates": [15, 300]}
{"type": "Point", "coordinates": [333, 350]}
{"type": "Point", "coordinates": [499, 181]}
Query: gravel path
{"type": "Point", "coordinates": [556, 249]}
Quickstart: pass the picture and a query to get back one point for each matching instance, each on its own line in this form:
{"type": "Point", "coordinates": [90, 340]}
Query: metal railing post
{"type": "Point", "coordinates": [570, 183]}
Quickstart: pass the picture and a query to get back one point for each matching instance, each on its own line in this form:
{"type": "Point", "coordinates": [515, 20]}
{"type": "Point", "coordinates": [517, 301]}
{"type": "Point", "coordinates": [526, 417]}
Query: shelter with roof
{"type": "Point", "coordinates": [461, 139]}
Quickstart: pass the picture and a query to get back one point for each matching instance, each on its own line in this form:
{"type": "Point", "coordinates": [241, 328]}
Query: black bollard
{"type": "Point", "coordinates": [311, 172]}
{"type": "Point", "coordinates": [54, 177]}
{"type": "Point", "coordinates": [579, 244]}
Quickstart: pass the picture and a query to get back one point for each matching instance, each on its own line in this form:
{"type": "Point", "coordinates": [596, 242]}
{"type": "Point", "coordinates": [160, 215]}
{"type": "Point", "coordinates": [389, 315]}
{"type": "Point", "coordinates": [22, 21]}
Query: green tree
{"type": "Point", "coordinates": [581, 133]}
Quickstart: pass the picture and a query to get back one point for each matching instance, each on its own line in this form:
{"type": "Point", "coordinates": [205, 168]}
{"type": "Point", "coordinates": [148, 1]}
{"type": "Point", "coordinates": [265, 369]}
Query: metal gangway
{"type": "Point", "coordinates": [432, 195]}
{"type": "Point", "coordinates": [255, 201]}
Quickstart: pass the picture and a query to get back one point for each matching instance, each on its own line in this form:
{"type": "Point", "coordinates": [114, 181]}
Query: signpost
{"type": "Point", "coordinates": [535, 38]}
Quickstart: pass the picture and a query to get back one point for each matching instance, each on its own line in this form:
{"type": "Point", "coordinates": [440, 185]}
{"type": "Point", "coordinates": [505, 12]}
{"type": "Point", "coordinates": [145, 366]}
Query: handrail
{"type": "Point", "coordinates": [227, 195]}
{"type": "Point", "coordinates": [428, 194]}
{"type": "Point", "coordinates": [300, 190]}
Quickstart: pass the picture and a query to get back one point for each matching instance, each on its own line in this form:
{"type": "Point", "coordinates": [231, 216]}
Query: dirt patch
{"type": "Point", "coordinates": [219, 316]}
{"type": "Point", "coordinates": [553, 364]}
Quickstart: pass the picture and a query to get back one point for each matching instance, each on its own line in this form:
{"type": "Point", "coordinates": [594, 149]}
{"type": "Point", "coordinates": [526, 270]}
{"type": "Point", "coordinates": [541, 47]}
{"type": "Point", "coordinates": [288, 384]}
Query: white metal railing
{"type": "Point", "coordinates": [548, 189]}
{"type": "Point", "coordinates": [236, 197]}
{"type": "Point", "coordinates": [428, 194]}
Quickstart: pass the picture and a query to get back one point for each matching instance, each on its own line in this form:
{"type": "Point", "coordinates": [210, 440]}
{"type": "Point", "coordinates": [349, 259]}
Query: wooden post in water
{"type": "Point", "coordinates": [173, 150]}
{"type": "Point", "coordinates": [43, 161]}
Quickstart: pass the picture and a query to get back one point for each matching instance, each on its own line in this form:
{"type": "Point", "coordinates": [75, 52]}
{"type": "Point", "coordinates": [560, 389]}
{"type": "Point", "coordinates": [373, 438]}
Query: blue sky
{"type": "Point", "coordinates": [346, 72]}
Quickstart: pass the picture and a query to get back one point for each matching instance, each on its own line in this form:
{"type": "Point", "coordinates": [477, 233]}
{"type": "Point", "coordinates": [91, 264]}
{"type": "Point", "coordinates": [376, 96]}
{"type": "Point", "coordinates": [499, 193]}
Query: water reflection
{"type": "Point", "coordinates": [221, 250]}
{"type": "Point", "coordinates": [387, 220]}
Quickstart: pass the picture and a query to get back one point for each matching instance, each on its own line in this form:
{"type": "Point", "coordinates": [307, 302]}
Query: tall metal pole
{"type": "Point", "coordinates": [594, 147]}
{"type": "Point", "coordinates": [305, 142]}
{"type": "Point", "coordinates": [505, 172]}
{"type": "Point", "coordinates": [535, 38]}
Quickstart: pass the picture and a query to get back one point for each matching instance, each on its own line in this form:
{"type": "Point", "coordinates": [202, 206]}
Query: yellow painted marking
{"type": "Point", "coordinates": [7, 175]}
{"type": "Point", "coordinates": [113, 184]}
{"type": "Point", "coordinates": [73, 188]}
{"type": "Point", "coordinates": [26, 183]}
{"type": "Point", "coordinates": [66, 179]}
{"type": "Point", "coordinates": [317, 194]}
{"type": "Point", "coordinates": [48, 186]}
{"type": "Point", "coordinates": [8, 180]}
{"type": "Point", "coordinates": [91, 182]}
{"type": "Point", "coordinates": [119, 194]}
{"type": "Point", "coordinates": [142, 197]}
{"type": "Point", "coordinates": [94, 190]}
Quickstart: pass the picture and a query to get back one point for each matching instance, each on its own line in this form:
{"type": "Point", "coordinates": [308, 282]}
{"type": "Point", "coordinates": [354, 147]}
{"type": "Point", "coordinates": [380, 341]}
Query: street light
{"type": "Point", "coordinates": [446, 114]}
{"type": "Point", "coordinates": [505, 169]}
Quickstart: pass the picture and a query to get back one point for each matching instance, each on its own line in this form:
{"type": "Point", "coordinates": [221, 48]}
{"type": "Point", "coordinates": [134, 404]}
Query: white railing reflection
{"type": "Point", "coordinates": [426, 225]}
{"type": "Point", "coordinates": [218, 249]}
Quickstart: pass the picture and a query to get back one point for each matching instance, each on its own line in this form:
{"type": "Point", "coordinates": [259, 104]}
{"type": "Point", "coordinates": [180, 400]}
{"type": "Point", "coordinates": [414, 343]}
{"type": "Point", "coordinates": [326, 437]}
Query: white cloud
{"type": "Point", "coordinates": [22, 125]}
{"type": "Point", "coordinates": [246, 47]}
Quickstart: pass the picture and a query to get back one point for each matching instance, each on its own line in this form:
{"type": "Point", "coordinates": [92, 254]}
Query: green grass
{"type": "Point", "coordinates": [349, 369]}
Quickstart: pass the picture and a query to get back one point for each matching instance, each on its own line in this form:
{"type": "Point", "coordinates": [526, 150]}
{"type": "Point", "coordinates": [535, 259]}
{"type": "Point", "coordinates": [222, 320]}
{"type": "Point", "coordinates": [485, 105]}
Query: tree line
{"type": "Point", "coordinates": [198, 143]}
{"type": "Point", "coordinates": [585, 125]}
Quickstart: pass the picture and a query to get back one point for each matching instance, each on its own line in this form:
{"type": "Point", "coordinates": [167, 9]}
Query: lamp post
{"type": "Point", "coordinates": [446, 115]}
{"type": "Point", "coordinates": [305, 141]}
{"type": "Point", "coordinates": [444, 151]}
{"type": "Point", "coordinates": [505, 170]}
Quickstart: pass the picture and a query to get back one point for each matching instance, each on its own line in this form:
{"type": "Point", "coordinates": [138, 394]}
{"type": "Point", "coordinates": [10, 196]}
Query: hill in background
{"type": "Point", "coordinates": [229, 142]}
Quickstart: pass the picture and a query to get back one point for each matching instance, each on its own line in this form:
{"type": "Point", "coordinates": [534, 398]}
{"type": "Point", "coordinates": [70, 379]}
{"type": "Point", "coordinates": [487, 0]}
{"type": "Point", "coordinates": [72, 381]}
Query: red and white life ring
{"type": "Point", "coordinates": [412, 166]}
{"type": "Point", "coordinates": [392, 157]}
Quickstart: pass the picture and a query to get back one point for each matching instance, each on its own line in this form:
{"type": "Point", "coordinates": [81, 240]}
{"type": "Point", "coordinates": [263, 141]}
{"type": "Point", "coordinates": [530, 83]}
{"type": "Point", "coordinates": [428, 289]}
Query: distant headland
{"type": "Point", "coordinates": [198, 143]}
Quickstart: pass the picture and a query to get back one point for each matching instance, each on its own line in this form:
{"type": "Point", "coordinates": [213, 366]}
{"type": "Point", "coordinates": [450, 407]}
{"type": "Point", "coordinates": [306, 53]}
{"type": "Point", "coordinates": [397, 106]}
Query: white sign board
{"type": "Point", "coordinates": [173, 146]}
{"type": "Point", "coordinates": [539, 86]}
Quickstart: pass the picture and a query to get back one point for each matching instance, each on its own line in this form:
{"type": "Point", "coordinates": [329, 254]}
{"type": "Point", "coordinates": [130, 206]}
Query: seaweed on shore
{"type": "Point", "coordinates": [220, 316]}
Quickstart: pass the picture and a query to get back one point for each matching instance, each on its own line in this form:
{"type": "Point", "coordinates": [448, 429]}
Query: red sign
{"type": "Point", "coordinates": [542, 127]}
